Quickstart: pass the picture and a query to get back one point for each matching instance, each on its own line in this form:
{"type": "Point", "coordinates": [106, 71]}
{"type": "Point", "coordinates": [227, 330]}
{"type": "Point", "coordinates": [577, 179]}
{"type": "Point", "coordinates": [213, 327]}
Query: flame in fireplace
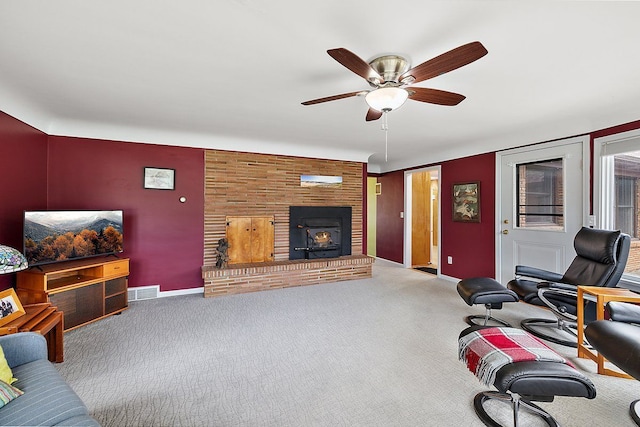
{"type": "Point", "coordinates": [322, 238]}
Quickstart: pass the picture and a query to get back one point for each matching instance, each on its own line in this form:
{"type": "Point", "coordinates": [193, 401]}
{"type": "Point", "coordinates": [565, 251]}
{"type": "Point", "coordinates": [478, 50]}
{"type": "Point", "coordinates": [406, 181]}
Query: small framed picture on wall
{"type": "Point", "coordinates": [159, 178]}
{"type": "Point", "coordinates": [466, 202]}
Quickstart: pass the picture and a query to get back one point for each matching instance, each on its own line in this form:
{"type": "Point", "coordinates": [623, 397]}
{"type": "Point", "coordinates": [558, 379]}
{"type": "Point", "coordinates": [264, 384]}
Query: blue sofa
{"type": "Point", "coordinates": [47, 400]}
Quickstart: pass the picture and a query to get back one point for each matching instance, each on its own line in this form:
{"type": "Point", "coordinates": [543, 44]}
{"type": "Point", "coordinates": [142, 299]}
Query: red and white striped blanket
{"type": "Point", "coordinates": [487, 350]}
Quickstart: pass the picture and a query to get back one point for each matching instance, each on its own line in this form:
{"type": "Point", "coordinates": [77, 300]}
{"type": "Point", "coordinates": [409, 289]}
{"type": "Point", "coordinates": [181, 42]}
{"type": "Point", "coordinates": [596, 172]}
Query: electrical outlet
{"type": "Point", "coordinates": [449, 260]}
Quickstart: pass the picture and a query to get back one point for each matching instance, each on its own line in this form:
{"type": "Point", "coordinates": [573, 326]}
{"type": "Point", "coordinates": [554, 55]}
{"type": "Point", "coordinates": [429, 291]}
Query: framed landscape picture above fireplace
{"type": "Point", "coordinates": [320, 181]}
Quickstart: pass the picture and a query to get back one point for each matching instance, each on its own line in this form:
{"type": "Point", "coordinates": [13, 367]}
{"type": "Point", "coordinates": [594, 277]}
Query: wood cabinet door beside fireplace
{"type": "Point", "coordinates": [251, 239]}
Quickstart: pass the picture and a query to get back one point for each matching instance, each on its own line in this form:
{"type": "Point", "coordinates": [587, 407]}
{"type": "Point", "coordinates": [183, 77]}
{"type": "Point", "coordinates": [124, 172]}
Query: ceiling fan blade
{"type": "Point", "coordinates": [354, 63]}
{"type": "Point", "coordinates": [331, 98]}
{"type": "Point", "coordinates": [446, 62]}
{"type": "Point", "coordinates": [373, 115]}
{"type": "Point", "coordinates": [435, 96]}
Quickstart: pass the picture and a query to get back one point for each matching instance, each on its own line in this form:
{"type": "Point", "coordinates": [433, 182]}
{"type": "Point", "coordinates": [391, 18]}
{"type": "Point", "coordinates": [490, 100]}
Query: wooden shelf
{"type": "Point", "coordinates": [69, 282]}
{"type": "Point", "coordinates": [84, 290]}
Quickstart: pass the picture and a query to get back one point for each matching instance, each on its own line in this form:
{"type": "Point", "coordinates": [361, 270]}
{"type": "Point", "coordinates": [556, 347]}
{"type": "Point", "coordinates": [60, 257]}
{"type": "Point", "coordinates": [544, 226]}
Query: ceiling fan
{"type": "Point", "coordinates": [391, 78]}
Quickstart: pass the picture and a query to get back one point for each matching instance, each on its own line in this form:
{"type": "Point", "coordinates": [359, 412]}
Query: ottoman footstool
{"type": "Point", "coordinates": [487, 291]}
{"type": "Point", "coordinates": [522, 369]}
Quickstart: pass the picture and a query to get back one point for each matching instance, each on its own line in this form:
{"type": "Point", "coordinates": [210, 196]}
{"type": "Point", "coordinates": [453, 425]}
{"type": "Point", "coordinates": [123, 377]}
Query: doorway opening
{"type": "Point", "coordinates": [422, 219]}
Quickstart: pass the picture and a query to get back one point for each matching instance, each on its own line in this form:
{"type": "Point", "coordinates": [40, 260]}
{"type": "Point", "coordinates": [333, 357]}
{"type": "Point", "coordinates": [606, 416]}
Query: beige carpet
{"type": "Point", "coordinates": [375, 352]}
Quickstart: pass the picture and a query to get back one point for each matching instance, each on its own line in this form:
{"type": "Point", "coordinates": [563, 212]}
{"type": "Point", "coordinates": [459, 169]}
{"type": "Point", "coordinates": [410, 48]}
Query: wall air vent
{"type": "Point", "coordinates": [143, 292]}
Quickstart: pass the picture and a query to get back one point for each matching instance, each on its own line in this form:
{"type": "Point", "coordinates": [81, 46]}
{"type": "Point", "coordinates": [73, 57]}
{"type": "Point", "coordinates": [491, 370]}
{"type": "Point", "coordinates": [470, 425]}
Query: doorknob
{"type": "Point", "coordinates": [505, 231]}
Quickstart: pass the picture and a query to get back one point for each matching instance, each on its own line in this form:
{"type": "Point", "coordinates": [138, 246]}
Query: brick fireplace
{"type": "Point", "coordinates": [243, 278]}
{"type": "Point", "coordinates": [257, 185]}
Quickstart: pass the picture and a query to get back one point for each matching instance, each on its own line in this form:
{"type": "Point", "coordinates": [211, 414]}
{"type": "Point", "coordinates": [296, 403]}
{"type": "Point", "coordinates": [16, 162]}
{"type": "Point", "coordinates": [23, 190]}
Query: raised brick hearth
{"type": "Point", "coordinates": [241, 278]}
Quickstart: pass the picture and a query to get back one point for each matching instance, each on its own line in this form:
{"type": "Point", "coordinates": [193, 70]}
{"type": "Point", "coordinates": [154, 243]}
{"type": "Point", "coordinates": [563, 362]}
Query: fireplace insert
{"type": "Point", "coordinates": [319, 231]}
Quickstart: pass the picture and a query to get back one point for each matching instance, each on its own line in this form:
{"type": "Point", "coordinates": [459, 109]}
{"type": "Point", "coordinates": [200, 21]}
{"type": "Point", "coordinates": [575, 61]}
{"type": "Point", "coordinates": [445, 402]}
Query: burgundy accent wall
{"type": "Point", "coordinates": [389, 225]}
{"type": "Point", "coordinates": [23, 163]}
{"type": "Point", "coordinates": [472, 245]}
{"type": "Point", "coordinates": [163, 237]}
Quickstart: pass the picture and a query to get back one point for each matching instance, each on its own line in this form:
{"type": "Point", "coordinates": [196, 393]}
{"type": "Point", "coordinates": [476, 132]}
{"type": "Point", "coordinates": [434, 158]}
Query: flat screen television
{"type": "Point", "coordinates": [54, 236]}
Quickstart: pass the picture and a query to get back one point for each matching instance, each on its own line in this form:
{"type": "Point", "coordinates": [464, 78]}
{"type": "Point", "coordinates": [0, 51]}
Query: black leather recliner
{"type": "Point", "coordinates": [618, 340]}
{"type": "Point", "coordinates": [601, 256]}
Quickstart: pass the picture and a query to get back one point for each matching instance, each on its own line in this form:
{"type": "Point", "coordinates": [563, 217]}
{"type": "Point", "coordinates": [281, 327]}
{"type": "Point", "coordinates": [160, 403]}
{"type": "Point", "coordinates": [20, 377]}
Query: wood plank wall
{"type": "Point", "coordinates": [250, 184]}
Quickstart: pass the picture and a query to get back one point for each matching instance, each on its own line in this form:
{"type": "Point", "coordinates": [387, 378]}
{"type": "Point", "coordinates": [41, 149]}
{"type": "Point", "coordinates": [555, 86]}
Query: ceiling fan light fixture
{"type": "Point", "coordinates": [386, 98]}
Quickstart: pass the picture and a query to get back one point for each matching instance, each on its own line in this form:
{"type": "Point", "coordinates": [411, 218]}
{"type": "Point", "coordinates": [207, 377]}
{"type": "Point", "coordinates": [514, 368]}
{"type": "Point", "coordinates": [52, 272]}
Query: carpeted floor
{"type": "Point", "coordinates": [375, 352]}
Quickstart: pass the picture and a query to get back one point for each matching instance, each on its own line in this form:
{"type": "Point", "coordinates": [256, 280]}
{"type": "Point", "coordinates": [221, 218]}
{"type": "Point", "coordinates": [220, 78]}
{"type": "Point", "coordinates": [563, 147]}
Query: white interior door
{"type": "Point", "coordinates": [542, 204]}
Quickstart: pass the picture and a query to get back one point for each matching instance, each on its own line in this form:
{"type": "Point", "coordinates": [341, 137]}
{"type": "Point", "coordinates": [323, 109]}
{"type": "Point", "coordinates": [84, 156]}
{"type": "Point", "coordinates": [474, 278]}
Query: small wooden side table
{"type": "Point", "coordinates": [44, 319]}
{"type": "Point", "coordinates": [603, 296]}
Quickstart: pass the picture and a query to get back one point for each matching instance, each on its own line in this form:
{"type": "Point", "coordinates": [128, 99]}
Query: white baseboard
{"type": "Point", "coordinates": [448, 278]}
{"type": "Point", "coordinates": [181, 292]}
{"type": "Point", "coordinates": [386, 261]}
{"type": "Point", "coordinates": [142, 293]}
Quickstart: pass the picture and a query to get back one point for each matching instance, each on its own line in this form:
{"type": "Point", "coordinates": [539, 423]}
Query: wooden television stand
{"type": "Point", "coordinates": [84, 290]}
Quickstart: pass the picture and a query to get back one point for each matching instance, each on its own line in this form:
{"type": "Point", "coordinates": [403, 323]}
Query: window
{"type": "Point", "coordinates": [617, 185]}
{"type": "Point", "coordinates": [540, 196]}
{"type": "Point", "coordinates": [625, 204]}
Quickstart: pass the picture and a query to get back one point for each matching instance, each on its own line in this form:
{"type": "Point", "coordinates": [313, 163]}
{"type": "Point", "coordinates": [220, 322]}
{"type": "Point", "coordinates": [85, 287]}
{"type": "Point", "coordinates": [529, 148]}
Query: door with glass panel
{"type": "Point", "coordinates": [541, 206]}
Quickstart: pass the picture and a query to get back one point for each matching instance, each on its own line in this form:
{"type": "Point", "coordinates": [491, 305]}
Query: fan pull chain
{"type": "Point", "coordinates": [385, 128]}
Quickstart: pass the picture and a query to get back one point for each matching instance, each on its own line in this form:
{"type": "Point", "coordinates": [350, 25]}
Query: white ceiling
{"type": "Point", "coordinates": [231, 74]}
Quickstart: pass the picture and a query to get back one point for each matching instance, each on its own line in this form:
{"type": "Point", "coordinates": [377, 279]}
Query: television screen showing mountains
{"type": "Point", "coordinates": [51, 236]}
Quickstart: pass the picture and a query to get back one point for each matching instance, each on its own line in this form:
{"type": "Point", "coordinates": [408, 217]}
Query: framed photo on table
{"type": "Point", "coordinates": [466, 202]}
{"type": "Point", "coordinates": [10, 307]}
{"type": "Point", "coordinates": [159, 178]}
